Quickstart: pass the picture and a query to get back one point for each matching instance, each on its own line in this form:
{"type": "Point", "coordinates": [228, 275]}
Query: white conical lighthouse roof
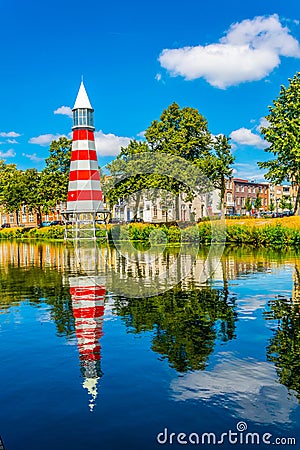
{"type": "Point", "coordinates": [82, 100]}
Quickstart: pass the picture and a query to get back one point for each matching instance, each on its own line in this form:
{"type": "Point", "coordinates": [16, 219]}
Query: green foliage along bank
{"type": "Point", "coordinates": [272, 235]}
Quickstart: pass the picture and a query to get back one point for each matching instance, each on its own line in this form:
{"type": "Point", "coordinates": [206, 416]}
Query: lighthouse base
{"type": "Point", "coordinates": [86, 226]}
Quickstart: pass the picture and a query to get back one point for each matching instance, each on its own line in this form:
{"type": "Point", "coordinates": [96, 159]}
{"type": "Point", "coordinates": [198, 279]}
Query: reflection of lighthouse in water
{"type": "Point", "coordinates": [87, 293]}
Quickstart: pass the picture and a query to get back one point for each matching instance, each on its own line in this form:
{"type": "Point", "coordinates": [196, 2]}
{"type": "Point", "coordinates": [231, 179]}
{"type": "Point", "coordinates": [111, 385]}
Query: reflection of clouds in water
{"type": "Point", "coordinates": [246, 307]}
{"type": "Point", "coordinates": [109, 314]}
{"type": "Point", "coordinates": [247, 387]}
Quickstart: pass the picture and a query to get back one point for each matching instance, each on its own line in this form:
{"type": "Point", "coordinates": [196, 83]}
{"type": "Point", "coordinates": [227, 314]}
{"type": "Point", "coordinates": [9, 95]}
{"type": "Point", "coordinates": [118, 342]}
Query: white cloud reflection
{"type": "Point", "coordinates": [247, 387]}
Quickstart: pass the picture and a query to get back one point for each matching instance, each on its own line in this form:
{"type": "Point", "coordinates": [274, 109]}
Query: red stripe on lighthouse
{"type": "Point", "coordinates": [83, 155]}
{"type": "Point", "coordinates": [84, 175]}
{"type": "Point", "coordinates": [83, 135]}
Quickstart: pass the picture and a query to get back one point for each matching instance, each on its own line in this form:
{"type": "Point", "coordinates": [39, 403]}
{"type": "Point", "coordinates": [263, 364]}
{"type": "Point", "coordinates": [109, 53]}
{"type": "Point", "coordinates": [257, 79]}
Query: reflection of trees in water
{"type": "Point", "coordinates": [284, 347]}
{"type": "Point", "coordinates": [186, 323]}
{"type": "Point", "coordinates": [36, 284]}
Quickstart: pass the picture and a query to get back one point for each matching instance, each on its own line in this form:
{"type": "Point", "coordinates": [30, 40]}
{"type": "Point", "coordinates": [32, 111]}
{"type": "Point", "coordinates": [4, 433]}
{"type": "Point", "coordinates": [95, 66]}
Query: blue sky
{"type": "Point", "coordinates": [227, 59]}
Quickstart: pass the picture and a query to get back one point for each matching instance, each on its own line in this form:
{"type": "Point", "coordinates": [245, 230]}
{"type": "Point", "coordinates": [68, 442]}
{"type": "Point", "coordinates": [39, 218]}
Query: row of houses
{"type": "Point", "coordinates": [166, 208]}
{"type": "Point", "coordinates": [271, 197]}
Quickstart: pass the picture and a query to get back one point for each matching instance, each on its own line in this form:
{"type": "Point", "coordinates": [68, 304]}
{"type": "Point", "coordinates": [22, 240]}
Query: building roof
{"type": "Point", "coordinates": [82, 100]}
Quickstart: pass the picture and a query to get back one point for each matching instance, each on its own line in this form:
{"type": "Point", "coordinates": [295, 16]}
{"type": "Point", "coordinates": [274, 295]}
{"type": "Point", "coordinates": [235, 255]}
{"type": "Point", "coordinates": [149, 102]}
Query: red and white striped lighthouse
{"type": "Point", "coordinates": [84, 191]}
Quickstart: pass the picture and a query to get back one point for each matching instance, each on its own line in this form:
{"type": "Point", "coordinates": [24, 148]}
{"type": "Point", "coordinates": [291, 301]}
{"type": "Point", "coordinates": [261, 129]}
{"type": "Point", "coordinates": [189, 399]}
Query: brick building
{"type": "Point", "coordinates": [238, 190]}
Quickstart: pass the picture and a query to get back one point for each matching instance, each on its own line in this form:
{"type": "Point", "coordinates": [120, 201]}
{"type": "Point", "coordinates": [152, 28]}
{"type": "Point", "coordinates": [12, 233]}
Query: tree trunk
{"type": "Point", "coordinates": [297, 203]}
{"type": "Point", "coordinates": [39, 216]}
{"type": "Point", "coordinates": [177, 208]}
{"type": "Point", "coordinates": [222, 195]}
{"type": "Point", "coordinates": [137, 204]}
{"type": "Point", "coordinates": [17, 217]}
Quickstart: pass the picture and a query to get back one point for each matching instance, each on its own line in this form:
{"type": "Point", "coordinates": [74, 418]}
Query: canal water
{"type": "Point", "coordinates": [88, 362]}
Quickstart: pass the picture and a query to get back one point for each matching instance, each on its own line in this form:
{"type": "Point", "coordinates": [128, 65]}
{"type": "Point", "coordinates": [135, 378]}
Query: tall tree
{"type": "Point", "coordinates": [180, 133]}
{"type": "Point", "coordinates": [217, 165]}
{"type": "Point", "coordinates": [12, 188]}
{"type": "Point", "coordinates": [283, 135]}
{"type": "Point", "coordinates": [257, 202]}
{"type": "Point", "coordinates": [248, 204]}
{"type": "Point", "coordinates": [55, 177]}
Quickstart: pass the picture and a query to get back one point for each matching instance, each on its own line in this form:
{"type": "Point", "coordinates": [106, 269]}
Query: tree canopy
{"type": "Point", "coordinates": [181, 133]}
{"type": "Point", "coordinates": [283, 135]}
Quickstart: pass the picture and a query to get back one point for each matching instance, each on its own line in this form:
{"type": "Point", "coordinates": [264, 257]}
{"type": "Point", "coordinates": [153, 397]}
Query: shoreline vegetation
{"type": "Point", "coordinates": [269, 233]}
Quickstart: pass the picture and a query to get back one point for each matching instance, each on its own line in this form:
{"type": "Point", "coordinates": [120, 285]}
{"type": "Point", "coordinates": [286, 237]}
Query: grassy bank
{"type": "Point", "coordinates": [273, 233]}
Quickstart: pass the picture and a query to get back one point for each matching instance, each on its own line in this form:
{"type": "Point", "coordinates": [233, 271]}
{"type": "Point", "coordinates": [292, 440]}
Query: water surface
{"type": "Point", "coordinates": [84, 367]}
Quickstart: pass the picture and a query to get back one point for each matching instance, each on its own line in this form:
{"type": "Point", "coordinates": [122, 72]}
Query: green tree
{"type": "Point", "coordinates": [283, 135]}
{"type": "Point", "coordinates": [181, 133]}
{"type": "Point", "coordinates": [55, 177]}
{"type": "Point", "coordinates": [217, 165]}
{"type": "Point", "coordinates": [12, 188]}
{"type": "Point", "coordinates": [248, 204]}
{"type": "Point", "coordinates": [272, 205]}
{"type": "Point", "coordinates": [283, 204]}
{"type": "Point", "coordinates": [257, 202]}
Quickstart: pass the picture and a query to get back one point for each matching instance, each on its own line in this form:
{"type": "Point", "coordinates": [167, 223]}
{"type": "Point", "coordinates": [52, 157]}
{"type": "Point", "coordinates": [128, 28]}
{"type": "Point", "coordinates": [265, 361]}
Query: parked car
{"type": "Point", "coordinates": [114, 220]}
{"type": "Point", "coordinates": [5, 225]}
{"type": "Point", "coordinates": [137, 220]}
{"type": "Point", "coordinates": [56, 222]}
{"type": "Point", "coordinates": [46, 223]}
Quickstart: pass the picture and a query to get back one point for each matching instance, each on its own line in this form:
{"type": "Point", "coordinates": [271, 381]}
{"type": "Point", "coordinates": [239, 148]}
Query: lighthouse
{"type": "Point", "coordinates": [84, 203]}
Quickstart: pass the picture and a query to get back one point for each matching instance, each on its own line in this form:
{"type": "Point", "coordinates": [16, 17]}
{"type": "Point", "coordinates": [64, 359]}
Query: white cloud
{"type": "Point", "coordinates": [158, 76]}
{"type": "Point", "coordinates": [109, 144]}
{"type": "Point", "coordinates": [263, 123]}
{"type": "Point", "coordinates": [64, 110]}
{"type": "Point", "coordinates": [141, 134]}
{"type": "Point", "coordinates": [44, 139]}
{"type": "Point", "coordinates": [10, 134]}
{"type": "Point", "coordinates": [249, 171]}
{"type": "Point", "coordinates": [33, 157]}
{"type": "Point", "coordinates": [244, 136]}
{"type": "Point", "coordinates": [8, 154]}
{"type": "Point", "coordinates": [249, 51]}
{"type": "Point", "coordinates": [12, 141]}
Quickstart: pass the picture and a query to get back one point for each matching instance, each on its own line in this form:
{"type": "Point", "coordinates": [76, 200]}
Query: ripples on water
{"type": "Point", "coordinates": [85, 367]}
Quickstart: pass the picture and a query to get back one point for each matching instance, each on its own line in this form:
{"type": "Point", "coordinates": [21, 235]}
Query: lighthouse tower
{"type": "Point", "coordinates": [84, 204]}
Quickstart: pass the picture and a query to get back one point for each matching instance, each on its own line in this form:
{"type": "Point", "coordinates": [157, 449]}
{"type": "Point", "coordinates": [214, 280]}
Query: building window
{"type": "Point", "coordinates": [155, 211]}
{"type": "Point", "coordinates": [238, 201]}
{"type": "Point", "coordinates": [242, 189]}
{"type": "Point", "coordinates": [243, 201]}
{"type": "Point", "coordinates": [31, 217]}
{"type": "Point", "coordinates": [229, 197]}
{"type": "Point", "coordinates": [24, 209]}
{"type": "Point", "coordinates": [11, 218]}
{"type": "Point", "coordinates": [23, 218]}
{"type": "Point", "coordinates": [237, 189]}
